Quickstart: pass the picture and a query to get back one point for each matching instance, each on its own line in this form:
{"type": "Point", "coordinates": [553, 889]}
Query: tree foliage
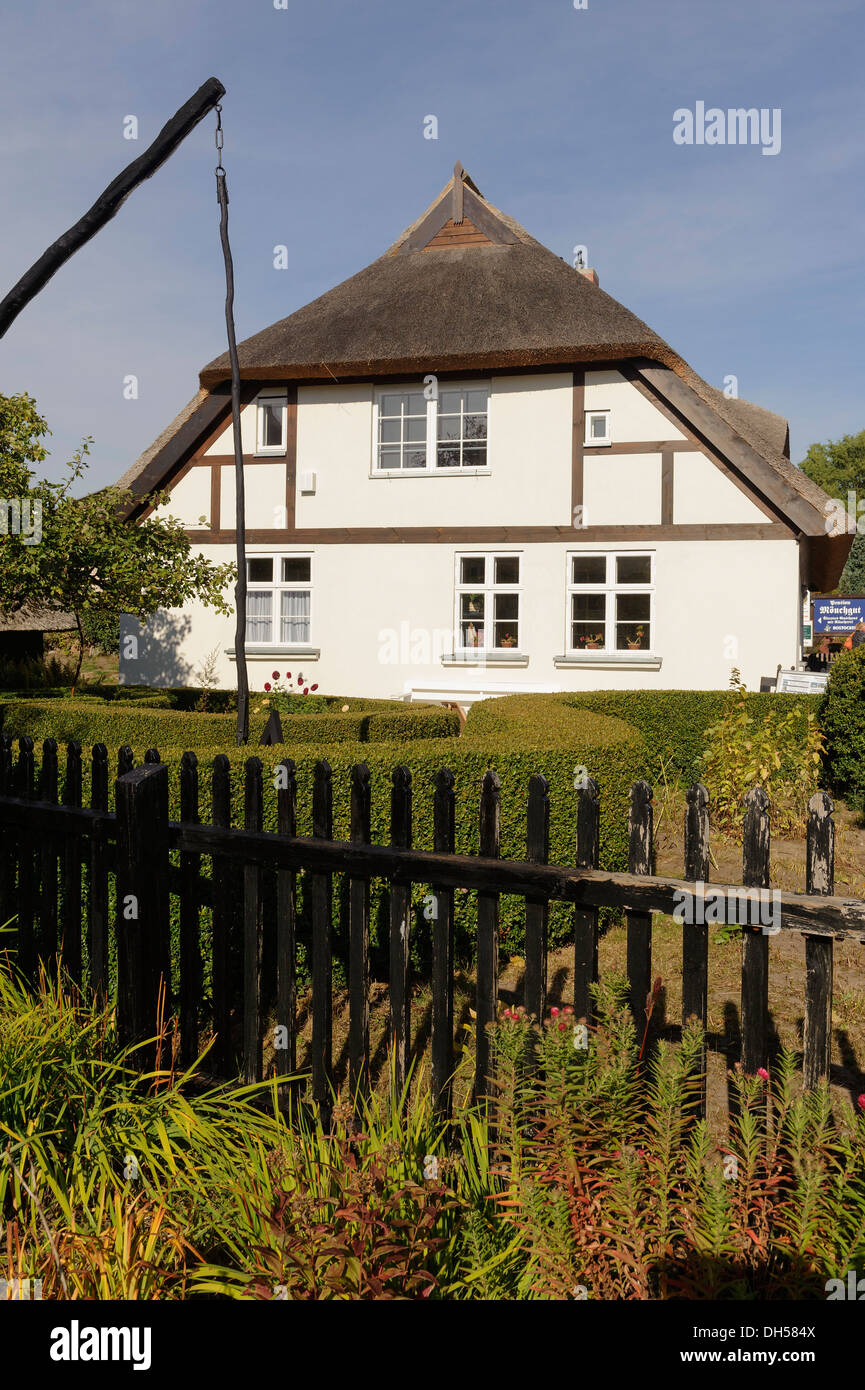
{"type": "Point", "coordinates": [838, 466]}
{"type": "Point", "coordinates": [89, 560]}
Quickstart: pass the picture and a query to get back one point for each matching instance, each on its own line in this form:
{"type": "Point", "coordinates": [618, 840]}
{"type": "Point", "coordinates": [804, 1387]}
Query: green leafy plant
{"type": "Point", "coordinates": [773, 752]}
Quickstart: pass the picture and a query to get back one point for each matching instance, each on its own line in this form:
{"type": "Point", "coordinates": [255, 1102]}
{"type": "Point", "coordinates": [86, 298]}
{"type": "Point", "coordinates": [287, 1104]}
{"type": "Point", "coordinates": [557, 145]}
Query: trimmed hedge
{"type": "Point", "coordinates": [149, 724]}
{"type": "Point", "coordinates": [674, 722]}
{"type": "Point", "coordinates": [842, 718]}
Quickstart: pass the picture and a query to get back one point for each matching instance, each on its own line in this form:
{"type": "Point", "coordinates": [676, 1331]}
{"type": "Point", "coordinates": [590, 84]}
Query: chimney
{"type": "Point", "coordinates": [589, 274]}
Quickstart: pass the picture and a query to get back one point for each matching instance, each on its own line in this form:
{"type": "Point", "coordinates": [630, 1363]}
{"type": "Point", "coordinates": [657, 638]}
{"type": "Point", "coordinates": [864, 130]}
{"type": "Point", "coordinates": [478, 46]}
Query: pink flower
{"type": "Point", "coordinates": [860, 1101]}
{"type": "Point", "coordinates": [562, 1027]}
{"type": "Point", "coordinates": [288, 675]}
{"type": "Point", "coordinates": [275, 675]}
{"type": "Point", "coordinates": [761, 1071]}
{"type": "Point", "coordinates": [267, 685]}
{"type": "Point", "coordinates": [554, 1013]}
{"type": "Point", "coordinates": [567, 1009]}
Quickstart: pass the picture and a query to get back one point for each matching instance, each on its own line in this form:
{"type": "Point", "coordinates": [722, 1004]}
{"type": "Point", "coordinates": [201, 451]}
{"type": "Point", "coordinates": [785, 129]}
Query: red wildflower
{"type": "Point", "coordinates": [562, 1027]}
{"type": "Point", "coordinates": [860, 1101]}
{"type": "Point", "coordinates": [313, 687]}
{"type": "Point", "coordinates": [554, 1013]}
{"type": "Point", "coordinates": [267, 685]}
{"type": "Point", "coordinates": [761, 1071]}
{"type": "Point", "coordinates": [275, 675]}
{"type": "Point", "coordinates": [306, 690]}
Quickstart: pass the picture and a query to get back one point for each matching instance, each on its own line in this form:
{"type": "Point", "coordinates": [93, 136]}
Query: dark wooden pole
{"type": "Point", "coordinates": [239, 481]}
{"type": "Point", "coordinates": [755, 943]}
{"type": "Point", "coordinates": [820, 878]}
{"type": "Point", "coordinates": [109, 202]}
{"type": "Point", "coordinates": [695, 936]}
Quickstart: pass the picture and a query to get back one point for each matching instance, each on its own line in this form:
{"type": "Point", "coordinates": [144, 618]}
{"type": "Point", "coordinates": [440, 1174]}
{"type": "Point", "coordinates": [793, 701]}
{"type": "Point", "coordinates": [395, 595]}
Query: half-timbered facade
{"type": "Point", "coordinates": [471, 471]}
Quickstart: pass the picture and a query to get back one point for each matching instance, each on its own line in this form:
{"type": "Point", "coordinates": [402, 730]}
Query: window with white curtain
{"type": "Point", "coordinates": [279, 600]}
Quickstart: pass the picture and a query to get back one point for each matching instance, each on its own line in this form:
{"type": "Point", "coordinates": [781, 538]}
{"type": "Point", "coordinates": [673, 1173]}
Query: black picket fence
{"type": "Point", "coordinates": [58, 860]}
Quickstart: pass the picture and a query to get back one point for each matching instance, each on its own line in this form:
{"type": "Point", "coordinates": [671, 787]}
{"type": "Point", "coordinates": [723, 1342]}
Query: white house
{"type": "Point", "coordinates": [585, 512]}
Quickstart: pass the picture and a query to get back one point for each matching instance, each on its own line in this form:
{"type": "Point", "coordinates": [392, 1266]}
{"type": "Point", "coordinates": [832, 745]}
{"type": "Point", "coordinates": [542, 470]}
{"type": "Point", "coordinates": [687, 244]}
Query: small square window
{"type": "Point", "coordinates": [589, 569]}
{"type": "Point", "coordinates": [296, 569]}
{"type": "Point", "coordinates": [507, 569]}
{"type": "Point", "coordinates": [259, 571]}
{"type": "Point", "coordinates": [472, 569]}
{"type": "Point", "coordinates": [597, 427]}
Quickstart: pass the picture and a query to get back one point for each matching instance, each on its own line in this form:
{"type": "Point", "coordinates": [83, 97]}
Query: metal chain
{"type": "Point", "coordinates": [219, 139]}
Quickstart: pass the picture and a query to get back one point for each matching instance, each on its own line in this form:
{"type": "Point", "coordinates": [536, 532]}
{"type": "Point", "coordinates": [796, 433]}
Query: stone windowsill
{"type": "Point", "coordinates": [599, 661]}
{"type": "Point", "coordinates": [308, 653]}
{"type": "Point", "coordinates": [510, 658]}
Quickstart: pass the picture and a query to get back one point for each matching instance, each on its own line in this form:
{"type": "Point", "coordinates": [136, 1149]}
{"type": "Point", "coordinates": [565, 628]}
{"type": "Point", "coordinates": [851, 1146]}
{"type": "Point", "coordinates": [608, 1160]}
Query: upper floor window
{"type": "Point", "coordinates": [270, 425]}
{"type": "Point", "coordinates": [488, 602]}
{"type": "Point", "coordinates": [597, 428]}
{"type": "Point", "coordinates": [610, 602]}
{"type": "Point", "coordinates": [278, 599]}
{"type": "Point", "coordinates": [417, 433]}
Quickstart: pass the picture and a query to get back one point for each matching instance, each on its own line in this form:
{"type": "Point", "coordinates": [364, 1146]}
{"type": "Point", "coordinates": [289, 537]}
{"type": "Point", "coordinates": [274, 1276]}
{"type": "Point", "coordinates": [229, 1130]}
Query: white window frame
{"type": "Point", "coordinates": [270, 398]}
{"type": "Point", "coordinates": [276, 587]}
{"type": "Point", "coordinates": [430, 469]}
{"type": "Point", "coordinates": [590, 442]}
{"type": "Point", "coordinates": [610, 589]}
{"type": "Point", "coordinates": [489, 589]}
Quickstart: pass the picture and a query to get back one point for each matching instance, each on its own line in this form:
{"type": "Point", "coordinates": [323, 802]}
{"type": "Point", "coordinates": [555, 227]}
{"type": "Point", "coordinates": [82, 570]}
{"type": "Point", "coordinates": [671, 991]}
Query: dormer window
{"type": "Point", "coordinates": [417, 432]}
{"type": "Point", "coordinates": [597, 428]}
{"type": "Point", "coordinates": [270, 424]}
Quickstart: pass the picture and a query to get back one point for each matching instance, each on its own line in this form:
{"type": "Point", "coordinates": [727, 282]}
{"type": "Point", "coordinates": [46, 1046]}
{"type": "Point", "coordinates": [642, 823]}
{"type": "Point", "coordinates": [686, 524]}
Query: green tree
{"type": "Point", "coordinates": [839, 468]}
{"type": "Point", "coordinates": [80, 555]}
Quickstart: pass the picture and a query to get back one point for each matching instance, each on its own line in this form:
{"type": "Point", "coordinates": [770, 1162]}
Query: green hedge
{"type": "Point", "coordinates": [842, 718]}
{"type": "Point", "coordinates": [146, 724]}
{"type": "Point", "coordinates": [673, 722]}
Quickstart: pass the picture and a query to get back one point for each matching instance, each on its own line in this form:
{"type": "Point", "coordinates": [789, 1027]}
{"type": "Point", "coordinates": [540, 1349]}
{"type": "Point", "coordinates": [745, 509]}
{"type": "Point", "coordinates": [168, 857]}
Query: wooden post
{"type": "Point", "coordinates": [97, 898]}
{"type": "Point", "coordinates": [141, 798]}
{"type": "Point", "coordinates": [488, 936]}
{"type": "Point", "coordinates": [252, 930]}
{"type": "Point", "coordinates": [695, 936]}
{"type": "Point", "coordinates": [223, 893]}
{"type": "Point", "coordinates": [190, 939]}
{"type": "Point", "coordinates": [320, 889]}
{"type": "Point", "coordinates": [400, 928]}
{"type": "Point", "coordinates": [48, 782]}
{"type": "Point", "coordinates": [72, 905]}
{"type": "Point", "coordinates": [537, 910]}
{"type": "Point", "coordinates": [358, 941]}
{"type": "Point", "coordinates": [586, 918]}
{"type": "Point", "coordinates": [125, 760]}
{"type": "Point", "coordinates": [755, 942]}
{"type": "Point", "coordinates": [286, 923]}
{"type": "Point", "coordinates": [639, 948]}
{"type": "Point", "coordinates": [820, 878]}
{"type": "Point", "coordinates": [8, 852]}
{"type": "Point", "coordinates": [444, 835]}
{"type": "Point", "coordinates": [23, 776]}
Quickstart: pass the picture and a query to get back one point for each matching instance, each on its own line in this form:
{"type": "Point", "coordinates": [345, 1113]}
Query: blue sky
{"type": "Point", "coordinates": [747, 264]}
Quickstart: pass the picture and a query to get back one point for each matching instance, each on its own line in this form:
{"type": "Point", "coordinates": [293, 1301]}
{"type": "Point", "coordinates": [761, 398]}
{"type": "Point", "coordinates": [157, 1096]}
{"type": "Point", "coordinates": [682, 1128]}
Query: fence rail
{"type": "Point", "coordinates": [58, 860]}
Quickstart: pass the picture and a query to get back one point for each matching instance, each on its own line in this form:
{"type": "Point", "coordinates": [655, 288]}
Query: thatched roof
{"type": "Point", "coordinates": [466, 287]}
{"type": "Point", "coordinates": [29, 618]}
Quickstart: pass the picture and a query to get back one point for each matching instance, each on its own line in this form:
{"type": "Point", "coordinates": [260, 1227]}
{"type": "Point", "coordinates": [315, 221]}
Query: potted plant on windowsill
{"type": "Point", "coordinates": [509, 640]}
{"type": "Point", "coordinates": [593, 641]}
{"type": "Point", "coordinates": [636, 641]}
